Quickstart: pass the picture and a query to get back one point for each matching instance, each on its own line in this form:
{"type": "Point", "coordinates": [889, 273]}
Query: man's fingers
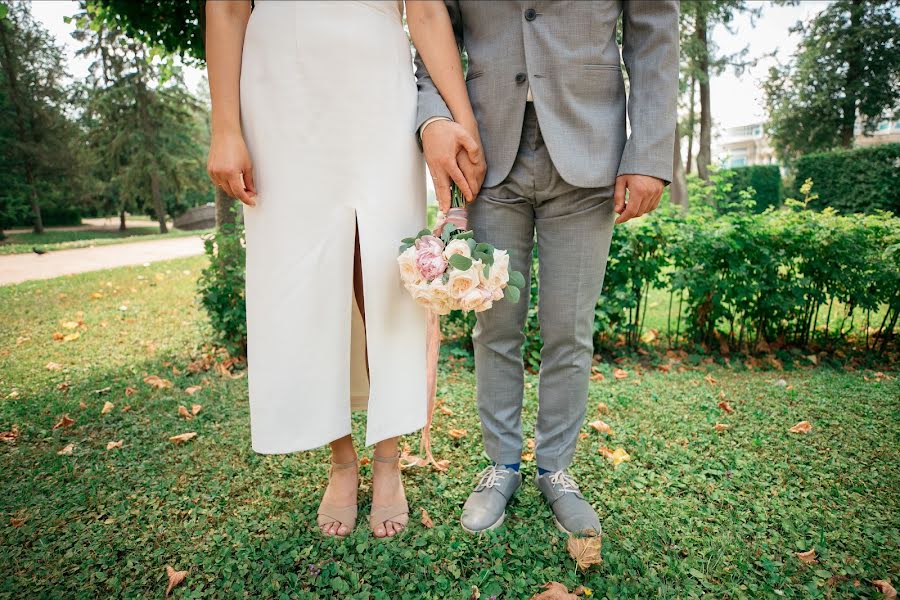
{"type": "Point", "coordinates": [473, 149]}
{"type": "Point", "coordinates": [619, 195]}
{"type": "Point", "coordinates": [632, 209]}
{"type": "Point", "coordinates": [460, 181]}
{"type": "Point", "coordinates": [442, 189]}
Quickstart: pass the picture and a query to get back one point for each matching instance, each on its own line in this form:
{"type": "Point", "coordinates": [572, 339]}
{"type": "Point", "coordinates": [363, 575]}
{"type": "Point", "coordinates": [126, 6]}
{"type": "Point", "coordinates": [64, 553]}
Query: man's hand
{"type": "Point", "coordinates": [644, 193]}
{"type": "Point", "coordinates": [452, 153]}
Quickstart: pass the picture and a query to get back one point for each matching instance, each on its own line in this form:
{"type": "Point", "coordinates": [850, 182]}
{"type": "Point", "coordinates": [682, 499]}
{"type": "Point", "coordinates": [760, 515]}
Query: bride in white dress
{"type": "Point", "coordinates": [314, 130]}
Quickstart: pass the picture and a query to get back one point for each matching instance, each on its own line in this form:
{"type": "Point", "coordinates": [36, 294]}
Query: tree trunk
{"type": "Point", "coordinates": [224, 205]}
{"type": "Point", "coordinates": [156, 194]}
{"type": "Point", "coordinates": [704, 154]}
{"type": "Point", "coordinates": [678, 189]}
{"type": "Point", "coordinates": [122, 226]}
{"type": "Point", "coordinates": [21, 132]}
{"type": "Point", "coordinates": [692, 123]}
{"type": "Point", "coordinates": [854, 72]}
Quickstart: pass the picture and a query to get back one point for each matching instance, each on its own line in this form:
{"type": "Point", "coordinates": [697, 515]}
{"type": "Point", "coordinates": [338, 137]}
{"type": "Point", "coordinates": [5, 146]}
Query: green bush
{"type": "Point", "coordinates": [51, 216]}
{"type": "Point", "coordinates": [765, 180]}
{"type": "Point", "coordinates": [221, 287]}
{"type": "Point", "coordinates": [854, 181]}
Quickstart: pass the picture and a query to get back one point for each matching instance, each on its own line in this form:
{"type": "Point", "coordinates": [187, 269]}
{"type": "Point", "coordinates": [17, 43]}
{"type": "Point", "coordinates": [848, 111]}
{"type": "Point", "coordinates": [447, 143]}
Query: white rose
{"type": "Point", "coordinates": [499, 274]}
{"type": "Point", "coordinates": [477, 299]}
{"type": "Point", "coordinates": [421, 293]}
{"type": "Point", "coordinates": [457, 247]}
{"type": "Point", "coordinates": [461, 282]}
{"type": "Point", "coordinates": [409, 271]}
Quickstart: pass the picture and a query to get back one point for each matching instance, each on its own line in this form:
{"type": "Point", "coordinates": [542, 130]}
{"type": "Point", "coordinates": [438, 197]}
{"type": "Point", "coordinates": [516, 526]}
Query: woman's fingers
{"type": "Point", "coordinates": [457, 175]}
{"type": "Point", "coordinates": [236, 184]}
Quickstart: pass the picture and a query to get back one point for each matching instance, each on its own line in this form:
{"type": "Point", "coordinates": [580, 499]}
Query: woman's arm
{"type": "Point", "coordinates": [432, 33]}
{"type": "Point", "coordinates": [229, 162]}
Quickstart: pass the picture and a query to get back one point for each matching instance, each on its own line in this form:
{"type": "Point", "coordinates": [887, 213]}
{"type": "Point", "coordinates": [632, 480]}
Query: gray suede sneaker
{"type": "Point", "coordinates": [486, 506]}
{"type": "Point", "coordinates": [571, 512]}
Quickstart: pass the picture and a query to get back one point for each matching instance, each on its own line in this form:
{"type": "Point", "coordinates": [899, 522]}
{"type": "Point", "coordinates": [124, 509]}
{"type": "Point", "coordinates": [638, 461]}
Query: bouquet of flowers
{"type": "Point", "coordinates": [447, 269]}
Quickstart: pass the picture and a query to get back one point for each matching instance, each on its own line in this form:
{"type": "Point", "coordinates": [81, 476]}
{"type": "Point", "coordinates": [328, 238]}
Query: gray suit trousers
{"type": "Point", "coordinates": [574, 227]}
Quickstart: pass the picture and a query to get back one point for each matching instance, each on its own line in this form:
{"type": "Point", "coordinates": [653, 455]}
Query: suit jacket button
{"type": "Point", "coordinates": [530, 14]}
{"type": "Point", "coordinates": [521, 77]}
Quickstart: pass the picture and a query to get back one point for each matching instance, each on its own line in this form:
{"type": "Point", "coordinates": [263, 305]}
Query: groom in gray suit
{"type": "Point", "coordinates": [548, 93]}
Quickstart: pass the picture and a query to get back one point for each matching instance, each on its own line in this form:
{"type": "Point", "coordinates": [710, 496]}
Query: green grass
{"type": "Point", "coordinates": [695, 513]}
{"type": "Point", "coordinates": [50, 240]}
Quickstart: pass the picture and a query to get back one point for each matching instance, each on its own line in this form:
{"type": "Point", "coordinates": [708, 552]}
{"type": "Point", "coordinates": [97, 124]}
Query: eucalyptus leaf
{"type": "Point", "coordinates": [458, 261]}
{"type": "Point", "coordinates": [512, 293]}
{"type": "Point", "coordinates": [516, 279]}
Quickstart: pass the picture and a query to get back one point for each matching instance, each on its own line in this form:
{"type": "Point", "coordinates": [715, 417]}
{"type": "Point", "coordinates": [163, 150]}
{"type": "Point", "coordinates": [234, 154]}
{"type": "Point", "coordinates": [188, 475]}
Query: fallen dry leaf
{"type": "Point", "coordinates": [364, 461]}
{"type": "Point", "coordinates": [602, 408]}
{"type": "Point", "coordinates": [193, 389]}
{"type": "Point", "coordinates": [182, 411]}
{"type": "Point", "coordinates": [71, 337]}
{"type": "Point", "coordinates": [601, 426]}
{"type": "Point", "coordinates": [53, 366]}
{"type": "Point", "coordinates": [195, 409]}
{"type": "Point", "coordinates": [808, 557]}
{"type": "Point", "coordinates": [527, 456]}
{"type": "Point", "coordinates": [801, 427]}
{"type": "Point", "coordinates": [650, 336]}
{"type": "Point", "coordinates": [585, 550]}
{"type": "Point", "coordinates": [182, 437]}
{"type": "Point", "coordinates": [130, 391]}
{"type": "Point", "coordinates": [710, 380]}
{"type": "Point", "coordinates": [157, 382]}
{"type": "Point", "coordinates": [426, 520]}
{"type": "Point", "coordinates": [884, 586]}
{"type": "Point", "coordinates": [725, 406]}
{"type": "Point", "coordinates": [175, 578]}
{"type": "Point", "coordinates": [721, 427]}
{"type": "Point", "coordinates": [616, 457]}
{"type": "Point", "coordinates": [107, 406]}
{"type": "Point", "coordinates": [16, 522]}
{"type": "Point", "coordinates": [67, 449]}
{"type": "Point", "coordinates": [65, 421]}
{"type": "Point", "coordinates": [620, 373]}
{"type": "Point", "coordinates": [408, 461]}
{"type": "Point", "coordinates": [442, 465]}
{"type": "Point", "coordinates": [554, 591]}
{"type": "Point", "coordinates": [458, 433]}
{"type": "Point", "coordinates": [57, 336]}
{"type": "Point", "coordinates": [111, 445]}
{"type": "Point", "coordinates": [596, 375]}
{"type": "Point", "coordinates": [530, 444]}
{"type": "Point", "coordinates": [446, 411]}
{"type": "Point", "coordinates": [583, 435]}
{"type": "Point", "coordinates": [11, 435]}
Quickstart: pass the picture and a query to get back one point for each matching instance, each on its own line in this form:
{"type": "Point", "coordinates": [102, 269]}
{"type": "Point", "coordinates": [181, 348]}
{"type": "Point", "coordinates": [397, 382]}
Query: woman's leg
{"type": "Point", "coordinates": [343, 482]}
{"type": "Point", "coordinates": [387, 486]}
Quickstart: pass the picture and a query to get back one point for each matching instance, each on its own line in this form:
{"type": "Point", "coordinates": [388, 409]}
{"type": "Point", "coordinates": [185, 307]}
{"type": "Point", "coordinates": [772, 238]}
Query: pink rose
{"type": "Point", "coordinates": [430, 257]}
{"type": "Point", "coordinates": [477, 299]}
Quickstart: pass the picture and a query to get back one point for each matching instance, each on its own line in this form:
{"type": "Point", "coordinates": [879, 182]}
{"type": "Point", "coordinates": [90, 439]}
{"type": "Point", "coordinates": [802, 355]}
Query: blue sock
{"type": "Point", "coordinates": [512, 467]}
{"type": "Point", "coordinates": [542, 471]}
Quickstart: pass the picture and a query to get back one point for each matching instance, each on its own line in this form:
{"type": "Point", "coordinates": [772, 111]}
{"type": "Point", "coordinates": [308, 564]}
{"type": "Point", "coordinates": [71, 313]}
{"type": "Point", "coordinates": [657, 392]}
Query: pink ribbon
{"type": "Point", "coordinates": [458, 216]}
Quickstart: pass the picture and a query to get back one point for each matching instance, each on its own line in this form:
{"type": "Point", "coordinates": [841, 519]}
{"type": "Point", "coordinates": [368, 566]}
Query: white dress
{"type": "Point", "coordinates": [328, 103]}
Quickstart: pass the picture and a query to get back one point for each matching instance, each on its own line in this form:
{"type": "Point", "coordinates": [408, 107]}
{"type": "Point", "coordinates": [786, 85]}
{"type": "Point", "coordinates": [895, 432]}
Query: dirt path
{"type": "Point", "coordinates": [16, 268]}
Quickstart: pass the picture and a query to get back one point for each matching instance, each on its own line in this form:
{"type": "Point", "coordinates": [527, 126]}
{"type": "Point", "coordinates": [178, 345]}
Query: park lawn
{"type": "Point", "coordinates": [51, 240]}
{"type": "Point", "coordinates": [695, 513]}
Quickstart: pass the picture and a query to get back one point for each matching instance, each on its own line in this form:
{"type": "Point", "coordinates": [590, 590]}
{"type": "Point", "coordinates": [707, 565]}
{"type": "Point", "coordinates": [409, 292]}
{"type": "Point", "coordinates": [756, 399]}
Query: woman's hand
{"type": "Point", "coordinates": [229, 167]}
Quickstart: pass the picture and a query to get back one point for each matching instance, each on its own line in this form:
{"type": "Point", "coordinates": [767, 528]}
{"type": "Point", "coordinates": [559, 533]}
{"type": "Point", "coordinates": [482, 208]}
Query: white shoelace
{"type": "Point", "coordinates": [491, 476]}
{"type": "Point", "coordinates": [565, 481]}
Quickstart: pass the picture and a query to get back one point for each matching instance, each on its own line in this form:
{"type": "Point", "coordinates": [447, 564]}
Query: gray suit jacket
{"type": "Point", "coordinates": [567, 52]}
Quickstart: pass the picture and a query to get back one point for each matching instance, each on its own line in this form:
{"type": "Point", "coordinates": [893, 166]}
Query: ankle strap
{"type": "Point", "coordinates": [345, 465]}
{"type": "Point", "coordinates": [387, 459]}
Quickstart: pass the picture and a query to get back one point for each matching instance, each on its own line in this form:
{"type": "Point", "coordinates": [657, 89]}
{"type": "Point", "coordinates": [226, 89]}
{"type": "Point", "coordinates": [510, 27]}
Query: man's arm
{"type": "Point", "coordinates": [650, 52]}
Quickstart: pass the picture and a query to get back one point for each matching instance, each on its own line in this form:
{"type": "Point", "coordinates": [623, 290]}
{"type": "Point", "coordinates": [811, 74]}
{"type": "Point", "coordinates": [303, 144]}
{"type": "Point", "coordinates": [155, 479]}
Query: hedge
{"type": "Point", "coordinates": [764, 179]}
{"type": "Point", "coordinates": [853, 181]}
{"type": "Point", "coordinates": [736, 280]}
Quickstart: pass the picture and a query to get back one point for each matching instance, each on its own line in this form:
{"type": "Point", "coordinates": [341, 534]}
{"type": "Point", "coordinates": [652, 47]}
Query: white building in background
{"type": "Point", "coordinates": [748, 145]}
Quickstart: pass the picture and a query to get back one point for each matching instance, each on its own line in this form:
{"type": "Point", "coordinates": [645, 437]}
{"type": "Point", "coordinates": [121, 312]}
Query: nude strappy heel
{"type": "Point", "coordinates": [329, 513]}
{"type": "Point", "coordinates": [397, 512]}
